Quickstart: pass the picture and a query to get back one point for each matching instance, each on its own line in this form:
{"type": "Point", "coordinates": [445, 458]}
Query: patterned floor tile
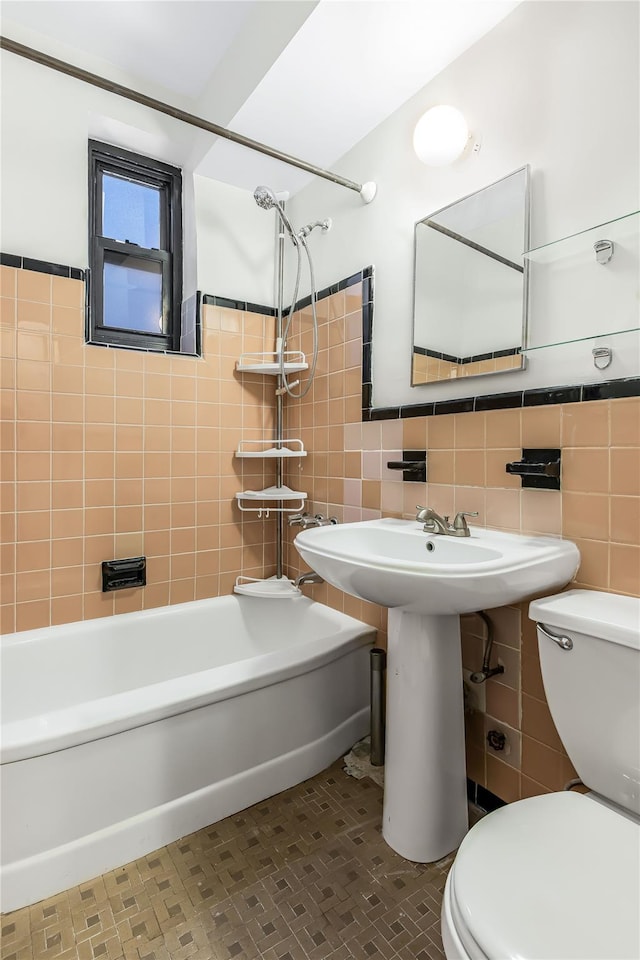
{"type": "Point", "coordinates": [304, 875]}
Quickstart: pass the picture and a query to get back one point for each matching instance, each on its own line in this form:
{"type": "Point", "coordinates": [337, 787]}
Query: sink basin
{"type": "Point", "coordinates": [396, 564]}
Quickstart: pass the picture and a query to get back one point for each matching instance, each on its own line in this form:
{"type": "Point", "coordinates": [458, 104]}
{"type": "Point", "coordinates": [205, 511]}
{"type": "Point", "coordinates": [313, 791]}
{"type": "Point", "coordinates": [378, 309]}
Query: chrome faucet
{"type": "Point", "coordinates": [434, 523]}
{"type": "Point", "coordinates": [305, 520]}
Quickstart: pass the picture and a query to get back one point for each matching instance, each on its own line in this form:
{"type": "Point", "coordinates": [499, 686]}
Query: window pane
{"type": "Point", "coordinates": [130, 211]}
{"type": "Point", "coordinates": [132, 293]}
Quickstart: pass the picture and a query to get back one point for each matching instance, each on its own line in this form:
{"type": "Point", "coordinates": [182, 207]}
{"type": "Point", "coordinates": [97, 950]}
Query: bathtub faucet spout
{"type": "Point", "coordinates": [305, 520]}
{"type": "Point", "coordinates": [309, 577]}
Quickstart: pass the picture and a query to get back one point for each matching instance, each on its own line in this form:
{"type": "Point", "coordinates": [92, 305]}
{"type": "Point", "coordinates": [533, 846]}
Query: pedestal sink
{"type": "Point", "coordinates": [427, 581]}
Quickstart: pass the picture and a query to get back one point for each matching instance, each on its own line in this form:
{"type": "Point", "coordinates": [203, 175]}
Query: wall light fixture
{"type": "Point", "coordinates": [440, 136]}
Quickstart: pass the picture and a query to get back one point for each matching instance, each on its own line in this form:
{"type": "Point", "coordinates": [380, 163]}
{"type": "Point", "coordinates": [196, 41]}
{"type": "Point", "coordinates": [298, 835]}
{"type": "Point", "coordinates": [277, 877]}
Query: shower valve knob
{"type": "Point", "coordinates": [496, 740]}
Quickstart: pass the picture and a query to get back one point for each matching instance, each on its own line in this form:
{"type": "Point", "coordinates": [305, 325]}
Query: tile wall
{"type": "Point", "coordinates": [115, 453]}
{"type": "Point", "coordinates": [111, 453]}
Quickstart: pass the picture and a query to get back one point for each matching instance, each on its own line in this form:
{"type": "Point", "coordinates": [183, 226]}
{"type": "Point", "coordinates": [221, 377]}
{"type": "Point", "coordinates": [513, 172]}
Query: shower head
{"type": "Point", "coordinates": [267, 199]}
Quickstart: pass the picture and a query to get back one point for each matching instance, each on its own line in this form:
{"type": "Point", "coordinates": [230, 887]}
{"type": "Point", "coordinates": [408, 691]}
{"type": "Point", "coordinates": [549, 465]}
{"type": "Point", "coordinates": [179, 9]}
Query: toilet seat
{"type": "Point", "coordinates": [555, 877]}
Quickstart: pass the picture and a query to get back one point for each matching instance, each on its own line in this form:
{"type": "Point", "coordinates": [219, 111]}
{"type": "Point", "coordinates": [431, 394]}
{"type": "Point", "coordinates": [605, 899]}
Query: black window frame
{"type": "Point", "coordinates": [106, 158]}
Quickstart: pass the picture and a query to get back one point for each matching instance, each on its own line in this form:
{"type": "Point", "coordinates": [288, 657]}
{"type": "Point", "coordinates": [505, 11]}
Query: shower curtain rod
{"type": "Point", "coordinates": [366, 190]}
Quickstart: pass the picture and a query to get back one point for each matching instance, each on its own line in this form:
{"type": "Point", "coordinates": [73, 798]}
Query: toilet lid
{"type": "Point", "coordinates": [551, 877]}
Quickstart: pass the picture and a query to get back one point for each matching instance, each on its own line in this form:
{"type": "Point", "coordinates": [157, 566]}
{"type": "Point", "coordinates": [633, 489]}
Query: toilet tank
{"type": "Point", "coordinates": [593, 689]}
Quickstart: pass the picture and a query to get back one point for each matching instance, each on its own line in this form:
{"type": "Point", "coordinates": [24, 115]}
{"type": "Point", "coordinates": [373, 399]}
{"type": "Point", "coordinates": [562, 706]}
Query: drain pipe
{"type": "Point", "coordinates": [378, 658]}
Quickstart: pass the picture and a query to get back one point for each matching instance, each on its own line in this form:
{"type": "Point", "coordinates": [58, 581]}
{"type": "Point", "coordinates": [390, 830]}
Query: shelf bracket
{"type": "Point", "coordinates": [604, 251]}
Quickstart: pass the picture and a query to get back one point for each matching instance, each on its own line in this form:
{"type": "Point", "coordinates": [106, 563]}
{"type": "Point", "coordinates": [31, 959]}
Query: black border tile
{"type": "Point", "coordinates": [366, 363]}
{"type": "Point", "coordinates": [10, 260]}
{"type": "Point", "coordinates": [417, 410]}
{"type": "Point", "coordinates": [549, 395]}
{"type": "Point", "coordinates": [385, 413]}
{"type": "Point", "coordinates": [612, 389]}
{"type": "Point", "coordinates": [608, 390]}
{"type": "Point", "coordinates": [260, 308]}
{"type": "Point", "coordinates": [41, 266]}
{"type": "Point", "coordinates": [367, 322]}
{"type": "Point", "coordinates": [461, 405]}
{"type": "Point", "coordinates": [499, 401]}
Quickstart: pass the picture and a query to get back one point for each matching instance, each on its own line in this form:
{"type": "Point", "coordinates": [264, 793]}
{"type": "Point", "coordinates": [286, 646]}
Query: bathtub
{"type": "Point", "coordinates": [123, 734]}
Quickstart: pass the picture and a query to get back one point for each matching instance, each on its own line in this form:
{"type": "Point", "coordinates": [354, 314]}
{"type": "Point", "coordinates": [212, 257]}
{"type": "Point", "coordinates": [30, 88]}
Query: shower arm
{"type": "Point", "coordinates": [366, 190]}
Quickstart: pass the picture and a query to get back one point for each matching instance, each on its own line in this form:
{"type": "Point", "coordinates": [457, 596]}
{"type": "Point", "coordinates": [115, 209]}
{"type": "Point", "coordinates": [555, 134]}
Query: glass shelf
{"type": "Point", "coordinates": [623, 228]}
{"type": "Point", "coordinates": [589, 336]}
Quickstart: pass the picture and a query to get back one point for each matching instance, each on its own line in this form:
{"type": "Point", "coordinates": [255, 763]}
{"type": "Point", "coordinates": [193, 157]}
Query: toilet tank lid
{"type": "Point", "coordinates": [592, 612]}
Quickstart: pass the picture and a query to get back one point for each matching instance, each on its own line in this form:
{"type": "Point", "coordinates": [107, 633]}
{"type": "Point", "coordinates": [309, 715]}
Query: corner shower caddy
{"type": "Point", "coordinates": [278, 499]}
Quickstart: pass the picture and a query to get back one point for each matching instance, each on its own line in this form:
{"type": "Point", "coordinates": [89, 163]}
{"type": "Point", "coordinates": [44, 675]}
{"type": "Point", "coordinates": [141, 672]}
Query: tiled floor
{"type": "Point", "coordinates": [304, 875]}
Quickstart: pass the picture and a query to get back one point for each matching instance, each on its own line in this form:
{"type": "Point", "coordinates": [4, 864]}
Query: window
{"type": "Point", "coordinates": [135, 250]}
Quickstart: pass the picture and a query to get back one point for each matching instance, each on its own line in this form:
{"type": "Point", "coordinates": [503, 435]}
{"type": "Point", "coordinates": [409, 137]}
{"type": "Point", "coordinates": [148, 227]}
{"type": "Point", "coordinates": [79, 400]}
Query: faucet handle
{"type": "Point", "coordinates": [298, 519]}
{"type": "Point", "coordinates": [459, 522]}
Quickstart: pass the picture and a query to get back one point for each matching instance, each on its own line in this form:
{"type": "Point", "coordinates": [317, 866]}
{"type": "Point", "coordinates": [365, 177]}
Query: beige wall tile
{"type": "Point", "coordinates": [541, 426]}
{"type": "Point", "coordinates": [585, 425]}
{"type": "Point", "coordinates": [624, 573]}
{"type": "Point", "coordinates": [625, 422]}
{"type": "Point", "coordinates": [503, 780]}
{"type": "Point", "coordinates": [503, 703]}
{"type": "Point", "coordinates": [585, 515]}
{"type": "Point", "coordinates": [502, 509]}
{"type": "Point", "coordinates": [542, 764]}
{"type": "Point", "coordinates": [503, 429]}
{"type": "Point", "coordinates": [34, 286]}
{"type": "Point", "coordinates": [538, 723]}
{"type": "Point", "coordinates": [8, 281]}
{"type": "Point", "coordinates": [585, 470]}
{"type": "Point", "coordinates": [541, 511]}
{"type": "Point", "coordinates": [469, 468]}
{"type": "Point", "coordinates": [594, 564]}
{"type": "Point", "coordinates": [469, 431]}
{"type": "Point", "coordinates": [625, 471]}
{"type": "Point", "coordinates": [440, 466]}
{"type": "Point", "coordinates": [625, 519]}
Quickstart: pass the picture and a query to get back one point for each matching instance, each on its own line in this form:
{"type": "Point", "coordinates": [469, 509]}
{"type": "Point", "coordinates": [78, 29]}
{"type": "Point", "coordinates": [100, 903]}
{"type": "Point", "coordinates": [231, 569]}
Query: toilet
{"type": "Point", "coordinates": [557, 877]}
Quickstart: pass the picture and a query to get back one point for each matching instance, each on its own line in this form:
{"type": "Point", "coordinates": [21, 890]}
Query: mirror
{"type": "Point", "coordinates": [470, 284]}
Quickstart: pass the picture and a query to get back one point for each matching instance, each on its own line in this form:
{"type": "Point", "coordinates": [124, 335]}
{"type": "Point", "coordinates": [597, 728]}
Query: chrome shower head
{"type": "Point", "coordinates": [265, 198]}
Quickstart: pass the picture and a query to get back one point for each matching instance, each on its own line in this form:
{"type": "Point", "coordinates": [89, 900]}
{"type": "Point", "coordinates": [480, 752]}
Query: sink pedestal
{"type": "Point", "coordinates": [425, 796]}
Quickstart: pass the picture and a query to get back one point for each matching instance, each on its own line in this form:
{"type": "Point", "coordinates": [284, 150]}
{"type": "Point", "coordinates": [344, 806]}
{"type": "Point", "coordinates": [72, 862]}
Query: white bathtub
{"type": "Point", "coordinates": [123, 734]}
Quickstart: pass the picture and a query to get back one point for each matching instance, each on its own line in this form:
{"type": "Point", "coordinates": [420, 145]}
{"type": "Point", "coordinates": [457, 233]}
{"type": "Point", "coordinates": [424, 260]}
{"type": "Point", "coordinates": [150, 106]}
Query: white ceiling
{"type": "Point", "coordinates": [306, 77]}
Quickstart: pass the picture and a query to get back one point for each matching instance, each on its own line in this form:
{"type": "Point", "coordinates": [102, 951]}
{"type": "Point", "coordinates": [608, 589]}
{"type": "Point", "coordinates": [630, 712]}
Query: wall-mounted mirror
{"type": "Point", "coordinates": [470, 284]}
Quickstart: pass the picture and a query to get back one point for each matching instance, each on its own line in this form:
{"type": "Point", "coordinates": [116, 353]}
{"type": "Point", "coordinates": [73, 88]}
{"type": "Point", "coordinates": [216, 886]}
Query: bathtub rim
{"type": "Point", "coordinates": [105, 716]}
